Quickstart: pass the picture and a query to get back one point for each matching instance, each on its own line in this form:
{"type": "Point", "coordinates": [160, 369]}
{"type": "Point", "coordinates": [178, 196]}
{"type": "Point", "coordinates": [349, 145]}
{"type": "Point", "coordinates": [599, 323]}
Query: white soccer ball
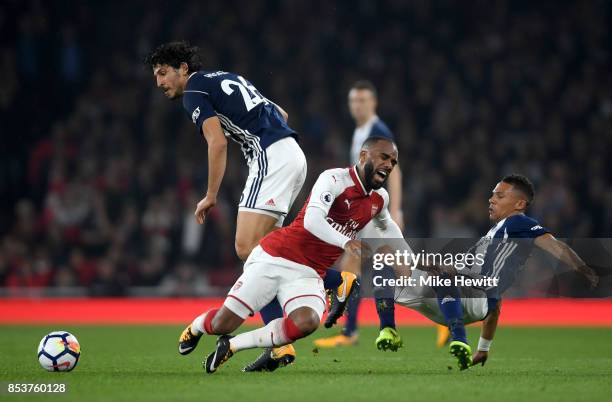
{"type": "Point", "coordinates": [59, 351]}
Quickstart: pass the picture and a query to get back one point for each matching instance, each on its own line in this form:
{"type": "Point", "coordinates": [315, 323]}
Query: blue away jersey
{"type": "Point", "coordinates": [246, 116]}
{"type": "Point", "coordinates": [506, 248]}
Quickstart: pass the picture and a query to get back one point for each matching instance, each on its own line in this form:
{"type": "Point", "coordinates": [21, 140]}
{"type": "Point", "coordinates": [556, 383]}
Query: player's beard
{"type": "Point", "coordinates": [368, 172]}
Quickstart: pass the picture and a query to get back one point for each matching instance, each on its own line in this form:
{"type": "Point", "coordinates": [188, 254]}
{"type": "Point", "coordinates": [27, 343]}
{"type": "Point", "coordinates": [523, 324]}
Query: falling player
{"type": "Point", "coordinates": [223, 104]}
{"type": "Point", "coordinates": [290, 262]}
{"type": "Point", "coordinates": [505, 247]}
{"type": "Point", "coordinates": [362, 102]}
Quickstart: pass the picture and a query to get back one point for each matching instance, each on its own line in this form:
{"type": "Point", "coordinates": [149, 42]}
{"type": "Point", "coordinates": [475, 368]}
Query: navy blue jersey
{"type": "Point", "coordinates": [380, 129]}
{"type": "Point", "coordinates": [506, 248]}
{"type": "Point", "coordinates": [373, 128]}
{"type": "Point", "coordinates": [246, 116]}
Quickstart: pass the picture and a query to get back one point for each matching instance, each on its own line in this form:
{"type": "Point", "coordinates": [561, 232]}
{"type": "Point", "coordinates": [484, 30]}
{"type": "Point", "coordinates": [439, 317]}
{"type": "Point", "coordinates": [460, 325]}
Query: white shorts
{"type": "Point", "coordinates": [423, 300]}
{"type": "Point", "coordinates": [275, 180]}
{"type": "Point", "coordinates": [266, 277]}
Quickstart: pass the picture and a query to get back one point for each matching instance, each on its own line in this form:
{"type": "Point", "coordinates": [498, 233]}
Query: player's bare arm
{"type": "Point", "coordinates": [217, 159]}
{"type": "Point", "coordinates": [395, 196]}
{"type": "Point", "coordinates": [489, 325]}
{"type": "Point", "coordinates": [565, 254]}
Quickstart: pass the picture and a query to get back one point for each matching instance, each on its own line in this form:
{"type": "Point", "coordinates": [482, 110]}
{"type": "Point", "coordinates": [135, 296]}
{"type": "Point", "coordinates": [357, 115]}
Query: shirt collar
{"type": "Point", "coordinates": [357, 180]}
{"type": "Point", "coordinates": [191, 75]}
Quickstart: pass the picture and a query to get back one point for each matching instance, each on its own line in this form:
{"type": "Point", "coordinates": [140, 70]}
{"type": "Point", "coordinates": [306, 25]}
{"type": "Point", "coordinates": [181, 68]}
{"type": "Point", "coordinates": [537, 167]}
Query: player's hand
{"type": "Point", "coordinates": [203, 207]}
{"type": "Point", "coordinates": [356, 248]}
{"type": "Point", "coordinates": [480, 358]}
{"type": "Point", "coordinates": [590, 274]}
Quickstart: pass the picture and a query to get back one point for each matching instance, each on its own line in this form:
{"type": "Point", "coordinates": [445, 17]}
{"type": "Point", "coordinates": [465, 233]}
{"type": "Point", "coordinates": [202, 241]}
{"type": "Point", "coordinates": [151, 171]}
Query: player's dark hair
{"type": "Point", "coordinates": [373, 140]}
{"type": "Point", "coordinates": [522, 184]}
{"type": "Point", "coordinates": [175, 53]}
{"type": "Point", "coordinates": [365, 84]}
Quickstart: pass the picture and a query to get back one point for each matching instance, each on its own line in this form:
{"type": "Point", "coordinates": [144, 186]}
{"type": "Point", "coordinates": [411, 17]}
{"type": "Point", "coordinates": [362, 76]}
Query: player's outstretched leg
{"type": "Point", "coordinates": [449, 301]}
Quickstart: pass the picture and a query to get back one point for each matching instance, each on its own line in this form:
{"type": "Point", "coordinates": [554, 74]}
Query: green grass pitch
{"type": "Point", "coordinates": [141, 363]}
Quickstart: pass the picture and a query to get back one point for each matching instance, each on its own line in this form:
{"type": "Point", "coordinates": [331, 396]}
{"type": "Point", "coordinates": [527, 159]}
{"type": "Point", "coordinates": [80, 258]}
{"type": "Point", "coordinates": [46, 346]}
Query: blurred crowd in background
{"type": "Point", "coordinates": [100, 174]}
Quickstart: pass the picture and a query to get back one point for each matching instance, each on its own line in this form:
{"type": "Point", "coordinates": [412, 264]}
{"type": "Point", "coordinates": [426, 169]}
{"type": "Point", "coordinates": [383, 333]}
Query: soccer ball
{"type": "Point", "coordinates": [59, 351]}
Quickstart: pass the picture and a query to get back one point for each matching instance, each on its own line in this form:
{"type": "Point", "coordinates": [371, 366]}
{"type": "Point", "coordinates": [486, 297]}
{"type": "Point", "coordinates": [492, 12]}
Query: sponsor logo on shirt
{"type": "Point", "coordinates": [215, 74]}
{"type": "Point", "coordinates": [349, 229]}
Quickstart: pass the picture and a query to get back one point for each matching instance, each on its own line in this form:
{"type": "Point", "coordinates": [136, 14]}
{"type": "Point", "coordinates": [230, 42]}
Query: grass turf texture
{"type": "Point", "coordinates": [141, 363]}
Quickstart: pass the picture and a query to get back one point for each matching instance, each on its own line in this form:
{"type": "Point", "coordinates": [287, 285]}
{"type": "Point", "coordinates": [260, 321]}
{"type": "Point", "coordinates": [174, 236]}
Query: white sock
{"type": "Point", "coordinates": [197, 326]}
{"type": "Point", "coordinates": [271, 335]}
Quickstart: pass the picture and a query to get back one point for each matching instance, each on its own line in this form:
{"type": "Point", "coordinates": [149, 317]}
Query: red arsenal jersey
{"type": "Point", "coordinates": [349, 208]}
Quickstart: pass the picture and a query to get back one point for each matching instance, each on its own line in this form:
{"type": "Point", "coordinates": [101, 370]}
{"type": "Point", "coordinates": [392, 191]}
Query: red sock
{"type": "Point", "coordinates": [208, 320]}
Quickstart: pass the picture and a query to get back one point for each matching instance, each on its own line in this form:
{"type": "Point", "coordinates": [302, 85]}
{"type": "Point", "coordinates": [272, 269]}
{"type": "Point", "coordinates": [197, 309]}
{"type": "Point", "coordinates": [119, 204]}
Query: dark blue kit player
{"type": "Point", "coordinates": [505, 248]}
{"type": "Point", "coordinates": [223, 106]}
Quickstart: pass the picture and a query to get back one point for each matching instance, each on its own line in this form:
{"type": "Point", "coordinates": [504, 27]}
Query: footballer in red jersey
{"type": "Point", "coordinates": [289, 263]}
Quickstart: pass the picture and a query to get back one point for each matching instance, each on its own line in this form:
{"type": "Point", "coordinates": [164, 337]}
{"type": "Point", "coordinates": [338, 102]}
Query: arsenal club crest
{"type": "Point", "coordinates": [374, 209]}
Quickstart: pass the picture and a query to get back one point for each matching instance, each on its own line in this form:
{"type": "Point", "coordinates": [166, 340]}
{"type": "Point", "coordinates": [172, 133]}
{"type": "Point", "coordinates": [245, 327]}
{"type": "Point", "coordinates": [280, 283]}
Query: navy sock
{"type": "Point", "coordinates": [271, 311]}
{"type": "Point", "coordinates": [385, 307]}
{"type": "Point", "coordinates": [352, 308]}
{"type": "Point", "coordinates": [449, 301]}
{"type": "Point", "coordinates": [332, 279]}
{"type": "Point", "coordinates": [384, 297]}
